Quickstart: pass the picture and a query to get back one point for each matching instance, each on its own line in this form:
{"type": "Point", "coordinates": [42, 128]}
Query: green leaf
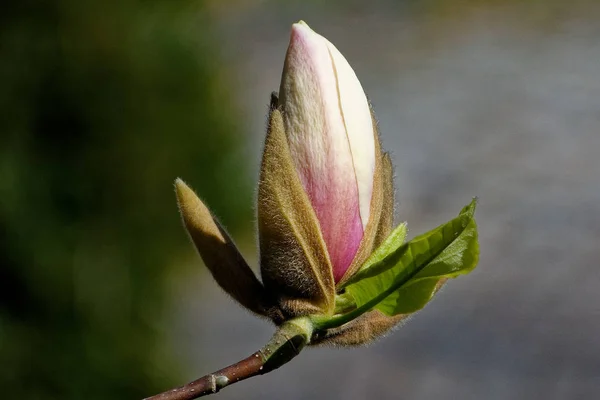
{"type": "Point", "coordinates": [405, 279]}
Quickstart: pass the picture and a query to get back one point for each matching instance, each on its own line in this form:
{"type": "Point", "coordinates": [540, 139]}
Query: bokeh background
{"type": "Point", "coordinates": [104, 103]}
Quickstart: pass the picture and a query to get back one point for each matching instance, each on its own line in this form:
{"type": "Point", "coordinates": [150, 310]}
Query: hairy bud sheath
{"type": "Point", "coordinates": [325, 196]}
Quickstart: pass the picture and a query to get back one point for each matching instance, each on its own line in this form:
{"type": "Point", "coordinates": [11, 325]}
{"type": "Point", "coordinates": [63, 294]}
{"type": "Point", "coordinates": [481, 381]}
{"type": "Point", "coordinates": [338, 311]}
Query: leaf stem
{"type": "Point", "coordinates": [287, 342]}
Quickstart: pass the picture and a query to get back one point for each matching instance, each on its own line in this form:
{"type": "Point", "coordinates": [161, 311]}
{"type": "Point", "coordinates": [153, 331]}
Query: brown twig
{"type": "Point", "coordinates": [212, 383]}
{"type": "Point", "coordinates": [286, 343]}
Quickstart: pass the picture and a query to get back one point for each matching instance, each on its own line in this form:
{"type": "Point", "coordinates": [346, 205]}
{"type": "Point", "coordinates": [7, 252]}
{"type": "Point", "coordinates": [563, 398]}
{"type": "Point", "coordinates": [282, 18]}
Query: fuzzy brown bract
{"type": "Point", "coordinates": [294, 264]}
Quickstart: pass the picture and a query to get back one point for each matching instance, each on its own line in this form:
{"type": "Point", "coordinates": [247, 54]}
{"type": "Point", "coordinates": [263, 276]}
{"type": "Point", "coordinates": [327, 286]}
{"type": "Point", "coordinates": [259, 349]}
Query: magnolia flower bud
{"type": "Point", "coordinates": [321, 189]}
{"type": "Point", "coordinates": [325, 197]}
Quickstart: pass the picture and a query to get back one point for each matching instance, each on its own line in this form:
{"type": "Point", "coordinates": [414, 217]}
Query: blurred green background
{"type": "Point", "coordinates": [104, 103]}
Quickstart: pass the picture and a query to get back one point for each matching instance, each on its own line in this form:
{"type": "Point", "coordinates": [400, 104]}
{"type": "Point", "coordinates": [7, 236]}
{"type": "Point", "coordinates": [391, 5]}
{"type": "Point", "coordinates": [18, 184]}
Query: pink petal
{"type": "Point", "coordinates": [319, 144]}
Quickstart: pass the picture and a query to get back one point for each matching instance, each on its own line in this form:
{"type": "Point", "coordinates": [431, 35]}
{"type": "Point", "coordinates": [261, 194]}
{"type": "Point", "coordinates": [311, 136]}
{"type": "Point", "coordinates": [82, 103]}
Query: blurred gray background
{"type": "Point", "coordinates": [104, 103]}
{"type": "Point", "coordinates": [495, 99]}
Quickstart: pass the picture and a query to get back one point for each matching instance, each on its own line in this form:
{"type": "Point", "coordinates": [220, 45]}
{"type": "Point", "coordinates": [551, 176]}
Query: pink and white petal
{"type": "Point", "coordinates": [319, 145]}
